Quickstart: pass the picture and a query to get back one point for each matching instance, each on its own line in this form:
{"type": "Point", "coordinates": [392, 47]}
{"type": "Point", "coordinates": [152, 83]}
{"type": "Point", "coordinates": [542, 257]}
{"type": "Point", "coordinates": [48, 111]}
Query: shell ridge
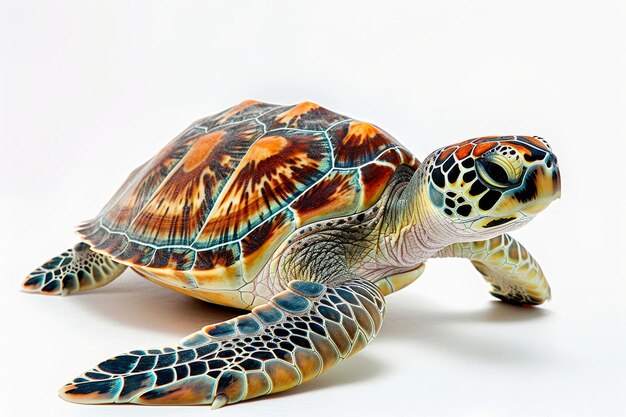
{"type": "Point", "coordinates": [300, 152]}
{"type": "Point", "coordinates": [224, 186]}
{"type": "Point", "coordinates": [276, 213]}
{"type": "Point", "coordinates": [179, 208]}
{"type": "Point", "coordinates": [173, 170]}
{"type": "Point", "coordinates": [373, 161]}
{"type": "Point", "coordinates": [157, 189]}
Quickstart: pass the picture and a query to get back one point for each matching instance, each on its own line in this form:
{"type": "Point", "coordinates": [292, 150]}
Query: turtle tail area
{"type": "Point", "coordinates": [300, 334]}
{"type": "Point", "coordinates": [77, 269]}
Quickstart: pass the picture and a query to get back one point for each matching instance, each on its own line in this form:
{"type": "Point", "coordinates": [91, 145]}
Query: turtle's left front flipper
{"type": "Point", "coordinates": [300, 334]}
{"type": "Point", "coordinates": [77, 269]}
{"type": "Point", "coordinates": [515, 276]}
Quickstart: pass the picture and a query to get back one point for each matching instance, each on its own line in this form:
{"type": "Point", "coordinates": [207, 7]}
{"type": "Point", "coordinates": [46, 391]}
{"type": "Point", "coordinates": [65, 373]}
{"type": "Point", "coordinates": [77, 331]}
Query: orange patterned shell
{"type": "Point", "coordinates": [233, 186]}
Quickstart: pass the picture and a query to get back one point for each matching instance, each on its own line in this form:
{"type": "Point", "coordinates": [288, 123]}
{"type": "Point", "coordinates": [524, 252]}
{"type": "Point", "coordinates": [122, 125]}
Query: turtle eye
{"type": "Point", "coordinates": [496, 173]}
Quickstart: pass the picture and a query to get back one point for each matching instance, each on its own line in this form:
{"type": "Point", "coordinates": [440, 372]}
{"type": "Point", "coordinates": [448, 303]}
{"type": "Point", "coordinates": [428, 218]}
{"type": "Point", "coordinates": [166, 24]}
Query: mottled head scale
{"type": "Point", "coordinates": [493, 184]}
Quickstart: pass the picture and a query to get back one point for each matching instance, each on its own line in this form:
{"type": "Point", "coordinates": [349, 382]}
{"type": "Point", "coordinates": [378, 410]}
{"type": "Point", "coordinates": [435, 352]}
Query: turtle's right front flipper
{"type": "Point", "coordinates": [514, 275]}
{"type": "Point", "coordinates": [76, 269]}
{"type": "Point", "coordinates": [303, 332]}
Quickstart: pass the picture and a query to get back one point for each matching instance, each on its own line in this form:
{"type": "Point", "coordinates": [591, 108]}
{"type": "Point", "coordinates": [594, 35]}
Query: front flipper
{"type": "Point", "coordinates": [300, 334]}
{"type": "Point", "coordinates": [76, 269]}
{"type": "Point", "coordinates": [515, 276]}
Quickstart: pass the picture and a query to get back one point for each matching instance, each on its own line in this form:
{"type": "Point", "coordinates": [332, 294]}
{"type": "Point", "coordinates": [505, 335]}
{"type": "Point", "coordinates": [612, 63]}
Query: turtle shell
{"type": "Point", "coordinates": [205, 214]}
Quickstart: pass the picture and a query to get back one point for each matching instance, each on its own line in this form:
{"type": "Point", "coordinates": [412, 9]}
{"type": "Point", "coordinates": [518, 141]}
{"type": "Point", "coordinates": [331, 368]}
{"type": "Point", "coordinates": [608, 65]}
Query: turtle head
{"type": "Point", "coordinates": [487, 186]}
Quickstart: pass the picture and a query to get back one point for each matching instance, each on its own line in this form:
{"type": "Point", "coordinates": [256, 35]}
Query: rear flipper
{"type": "Point", "coordinates": [303, 332]}
{"type": "Point", "coordinates": [76, 269]}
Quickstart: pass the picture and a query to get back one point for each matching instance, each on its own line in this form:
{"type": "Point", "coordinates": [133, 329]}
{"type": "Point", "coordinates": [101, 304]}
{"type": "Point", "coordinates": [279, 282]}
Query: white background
{"type": "Point", "coordinates": [91, 89]}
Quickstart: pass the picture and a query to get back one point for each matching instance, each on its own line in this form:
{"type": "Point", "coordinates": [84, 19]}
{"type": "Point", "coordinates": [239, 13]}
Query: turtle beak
{"type": "Point", "coordinates": [541, 187]}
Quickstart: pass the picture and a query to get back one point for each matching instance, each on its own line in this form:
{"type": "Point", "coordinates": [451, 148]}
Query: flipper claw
{"type": "Point", "coordinates": [220, 401]}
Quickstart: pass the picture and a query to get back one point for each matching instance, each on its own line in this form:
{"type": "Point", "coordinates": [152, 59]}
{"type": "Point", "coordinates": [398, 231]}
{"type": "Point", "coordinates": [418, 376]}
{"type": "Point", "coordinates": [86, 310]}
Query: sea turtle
{"type": "Point", "coordinates": [307, 218]}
